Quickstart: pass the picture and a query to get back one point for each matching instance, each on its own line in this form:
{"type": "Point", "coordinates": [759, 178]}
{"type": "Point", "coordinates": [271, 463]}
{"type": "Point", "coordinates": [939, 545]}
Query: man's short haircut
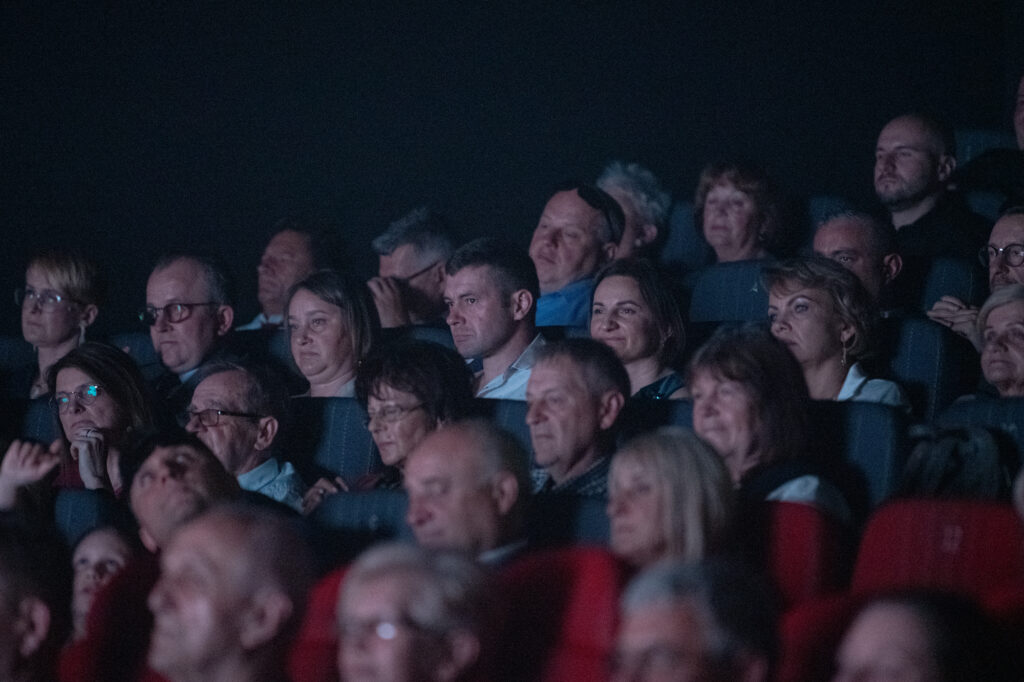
{"type": "Point", "coordinates": [500, 452]}
{"type": "Point", "coordinates": [1012, 210]}
{"type": "Point", "coordinates": [613, 219]}
{"type": "Point", "coordinates": [942, 134]}
{"type": "Point", "coordinates": [881, 235]}
{"type": "Point", "coordinates": [421, 228]}
{"type": "Point", "coordinates": [735, 605]}
{"type": "Point", "coordinates": [650, 200]}
{"type": "Point", "coordinates": [219, 286]}
{"type": "Point", "coordinates": [602, 369]}
{"type": "Point", "coordinates": [75, 275]}
{"type": "Point", "coordinates": [265, 393]}
{"type": "Point", "coordinates": [510, 268]}
{"type": "Point", "coordinates": [320, 238]}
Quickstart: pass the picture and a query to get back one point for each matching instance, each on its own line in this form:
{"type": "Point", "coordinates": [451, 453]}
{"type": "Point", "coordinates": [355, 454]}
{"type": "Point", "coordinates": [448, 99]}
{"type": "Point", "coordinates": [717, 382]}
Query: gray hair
{"type": "Point", "coordinates": [881, 236]}
{"type": "Point", "coordinates": [999, 297]}
{"type": "Point", "coordinates": [650, 201]}
{"type": "Point", "coordinates": [500, 452]}
{"type": "Point", "coordinates": [422, 229]}
{"type": "Point", "coordinates": [219, 286]}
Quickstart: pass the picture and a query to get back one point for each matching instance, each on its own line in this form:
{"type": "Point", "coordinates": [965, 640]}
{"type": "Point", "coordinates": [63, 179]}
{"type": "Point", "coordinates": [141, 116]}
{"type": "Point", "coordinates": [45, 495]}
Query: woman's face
{"type": "Point", "coordinates": [886, 643]}
{"type": "Point", "coordinates": [622, 319]}
{"type": "Point", "coordinates": [808, 323]}
{"type": "Point", "coordinates": [729, 225]}
{"type": "Point", "coordinates": [397, 434]}
{"type": "Point", "coordinates": [47, 328]}
{"type": "Point", "coordinates": [97, 559]}
{"type": "Point", "coordinates": [1002, 352]}
{"type": "Point", "coordinates": [101, 414]}
{"type": "Point", "coordinates": [636, 512]}
{"type": "Point", "coordinates": [321, 344]}
{"type": "Point", "coordinates": [725, 416]}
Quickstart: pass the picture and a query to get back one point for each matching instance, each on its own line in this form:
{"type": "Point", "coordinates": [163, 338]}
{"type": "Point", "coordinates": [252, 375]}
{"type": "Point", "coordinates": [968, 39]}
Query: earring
{"type": "Point", "coordinates": [81, 333]}
{"type": "Point", "coordinates": [845, 351]}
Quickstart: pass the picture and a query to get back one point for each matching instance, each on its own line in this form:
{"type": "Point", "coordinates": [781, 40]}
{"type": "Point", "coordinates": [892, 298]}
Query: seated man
{"type": "Point", "coordinates": [491, 293]}
{"type": "Point", "coordinates": [405, 613]}
{"type": "Point", "coordinates": [865, 247]}
{"type": "Point", "coordinates": [409, 287]}
{"type": "Point", "coordinates": [575, 394]}
{"type": "Point", "coordinates": [468, 485]}
{"type": "Point", "coordinates": [578, 232]}
{"type": "Point", "coordinates": [237, 413]}
{"type": "Point", "coordinates": [230, 597]}
{"type": "Point", "coordinates": [645, 205]}
{"type": "Point", "coordinates": [698, 622]}
{"type": "Point", "coordinates": [291, 255]}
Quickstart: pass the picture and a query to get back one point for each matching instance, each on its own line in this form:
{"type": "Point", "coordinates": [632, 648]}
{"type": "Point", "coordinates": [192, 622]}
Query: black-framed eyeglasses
{"type": "Point", "coordinates": [391, 413]}
{"type": "Point", "coordinates": [211, 417]}
{"type": "Point", "coordinates": [599, 200]}
{"type": "Point", "coordinates": [174, 312]}
{"type": "Point", "coordinates": [409, 278]}
{"type": "Point", "coordinates": [85, 394]}
{"type": "Point", "coordinates": [1013, 253]}
{"type": "Point", "coordinates": [47, 299]}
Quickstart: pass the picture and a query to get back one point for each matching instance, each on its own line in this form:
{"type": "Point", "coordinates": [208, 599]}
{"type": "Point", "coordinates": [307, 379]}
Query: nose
{"type": "Point", "coordinates": [193, 425]}
{"type": "Point", "coordinates": [454, 317]}
{"type": "Point", "coordinates": [534, 414]}
{"type": "Point", "coordinates": [158, 596]}
{"type": "Point", "coordinates": [609, 321]}
{"type": "Point", "coordinates": [780, 322]}
{"type": "Point", "coordinates": [418, 514]}
{"type": "Point", "coordinates": [161, 323]}
{"type": "Point", "coordinates": [614, 507]}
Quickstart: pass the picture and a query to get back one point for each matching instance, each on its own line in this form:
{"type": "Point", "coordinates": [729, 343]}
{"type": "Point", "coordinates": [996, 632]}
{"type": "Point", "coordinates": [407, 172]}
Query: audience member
{"type": "Point", "coordinates": [695, 622]}
{"type": "Point", "coordinates": [645, 205]}
{"type": "Point", "coordinates": [822, 313]}
{"type": "Point", "coordinates": [737, 211]}
{"type": "Point", "coordinates": [409, 286]}
{"type": "Point", "coordinates": [491, 294]}
{"type": "Point", "coordinates": [1001, 327]}
{"type": "Point", "coordinates": [574, 396]}
{"type": "Point", "coordinates": [333, 324]}
{"type": "Point", "coordinates": [669, 495]}
{"type": "Point", "coordinates": [578, 232]}
{"type": "Point", "coordinates": [99, 556]}
{"type": "Point", "coordinates": [237, 412]}
{"type": "Point", "coordinates": [468, 486]}
{"type": "Point", "coordinates": [230, 597]}
{"type": "Point", "coordinates": [408, 614]}
{"type": "Point", "coordinates": [864, 246]}
{"type": "Point", "coordinates": [60, 300]}
{"type": "Point", "coordinates": [292, 254]}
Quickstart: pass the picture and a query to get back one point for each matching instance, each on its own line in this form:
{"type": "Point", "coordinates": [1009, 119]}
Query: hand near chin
{"type": "Point", "coordinates": [89, 448]}
{"type": "Point", "coordinates": [25, 463]}
{"type": "Point", "coordinates": [387, 295]}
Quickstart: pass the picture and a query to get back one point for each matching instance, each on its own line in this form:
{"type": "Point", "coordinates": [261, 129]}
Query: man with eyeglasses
{"type": "Point", "coordinates": [578, 232]}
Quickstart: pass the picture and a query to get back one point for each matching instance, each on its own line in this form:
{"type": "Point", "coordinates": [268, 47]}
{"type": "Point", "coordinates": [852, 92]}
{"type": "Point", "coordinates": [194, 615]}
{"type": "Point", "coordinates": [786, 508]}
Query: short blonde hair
{"type": "Point", "coordinates": [999, 297]}
{"type": "Point", "coordinates": [74, 275]}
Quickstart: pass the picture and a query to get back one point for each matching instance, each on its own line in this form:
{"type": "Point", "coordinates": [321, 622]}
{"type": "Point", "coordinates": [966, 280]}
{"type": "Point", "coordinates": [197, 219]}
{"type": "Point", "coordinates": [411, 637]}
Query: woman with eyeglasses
{"type": "Point", "coordinates": [409, 389]}
{"type": "Point", "coordinates": [59, 301]}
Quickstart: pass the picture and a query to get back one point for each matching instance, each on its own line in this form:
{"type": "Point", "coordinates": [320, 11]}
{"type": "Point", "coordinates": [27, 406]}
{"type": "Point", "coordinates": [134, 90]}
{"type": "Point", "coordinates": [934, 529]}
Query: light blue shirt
{"type": "Point", "coordinates": [567, 307]}
{"type": "Point", "coordinates": [511, 384]}
{"type": "Point", "coordinates": [275, 480]}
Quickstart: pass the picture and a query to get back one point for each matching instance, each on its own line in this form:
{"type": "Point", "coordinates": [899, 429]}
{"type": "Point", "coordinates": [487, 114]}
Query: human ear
{"type": "Point", "coordinates": [522, 302]}
{"type": "Point", "coordinates": [32, 625]}
{"type": "Point", "coordinates": [265, 616]}
{"type": "Point", "coordinates": [505, 492]}
{"type": "Point", "coordinates": [225, 318]}
{"type": "Point", "coordinates": [267, 431]}
{"type": "Point", "coordinates": [611, 405]}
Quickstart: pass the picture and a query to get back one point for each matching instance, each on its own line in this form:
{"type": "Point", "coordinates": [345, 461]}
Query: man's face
{"type": "Point", "coordinates": [236, 441]}
{"type": "Point", "coordinates": [567, 244]}
{"type": "Point", "coordinates": [480, 318]}
{"type": "Point", "coordinates": [848, 243]}
{"type": "Point", "coordinates": [909, 165]}
{"type": "Point", "coordinates": [286, 261]}
{"type": "Point", "coordinates": [1007, 230]}
{"type": "Point", "coordinates": [886, 642]}
{"type": "Point", "coordinates": [421, 278]}
{"type": "Point", "coordinates": [452, 504]}
{"type": "Point", "coordinates": [663, 643]}
{"type": "Point", "coordinates": [182, 346]}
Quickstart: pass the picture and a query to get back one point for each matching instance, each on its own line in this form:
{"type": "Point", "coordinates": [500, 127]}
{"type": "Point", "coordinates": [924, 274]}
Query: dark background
{"type": "Point", "coordinates": [129, 128]}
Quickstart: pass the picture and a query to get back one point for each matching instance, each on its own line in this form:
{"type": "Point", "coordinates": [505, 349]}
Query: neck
{"type": "Point", "coordinates": [497, 362]}
{"type": "Point", "coordinates": [253, 460]}
{"type": "Point", "coordinates": [272, 308]}
{"type": "Point", "coordinates": [745, 252]}
{"type": "Point", "coordinates": [911, 214]}
{"type": "Point", "coordinates": [235, 668]}
{"type": "Point", "coordinates": [579, 467]}
{"type": "Point", "coordinates": [1014, 390]}
{"type": "Point", "coordinates": [330, 387]}
{"type": "Point", "coordinates": [825, 379]}
{"type": "Point", "coordinates": [47, 356]}
{"type": "Point", "coordinates": [644, 372]}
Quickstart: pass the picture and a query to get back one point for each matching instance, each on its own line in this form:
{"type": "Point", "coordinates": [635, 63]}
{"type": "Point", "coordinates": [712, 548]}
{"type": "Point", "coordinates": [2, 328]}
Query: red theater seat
{"type": "Point", "coordinates": [314, 654]}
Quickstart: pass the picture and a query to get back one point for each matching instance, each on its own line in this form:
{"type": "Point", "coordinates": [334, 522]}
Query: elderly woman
{"type": "Point", "coordinates": [737, 212]}
{"type": "Point", "coordinates": [633, 313]}
{"type": "Point", "coordinates": [332, 323]}
{"type": "Point", "coordinates": [59, 301]}
{"type": "Point", "coordinates": [823, 314]}
{"type": "Point", "coordinates": [750, 404]}
{"type": "Point", "coordinates": [409, 388]}
{"type": "Point", "coordinates": [1001, 327]}
{"type": "Point", "coordinates": [669, 495]}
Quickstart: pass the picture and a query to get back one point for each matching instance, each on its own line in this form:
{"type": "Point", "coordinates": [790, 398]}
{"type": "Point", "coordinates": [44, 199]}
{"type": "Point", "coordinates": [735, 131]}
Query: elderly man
{"type": "Point", "coordinates": [230, 597]}
{"type": "Point", "coordinates": [291, 255]}
{"type": "Point", "coordinates": [865, 247]}
{"type": "Point", "coordinates": [574, 396]}
{"type": "Point", "coordinates": [409, 287]}
{"type": "Point", "coordinates": [237, 413]}
{"type": "Point", "coordinates": [491, 291]}
{"type": "Point", "coordinates": [578, 232]}
{"type": "Point", "coordinates": [406, 614]}
{"type": "Point", "coordinates": [644, 203]}
{"type": "Point", "coordinates": [468, 485]}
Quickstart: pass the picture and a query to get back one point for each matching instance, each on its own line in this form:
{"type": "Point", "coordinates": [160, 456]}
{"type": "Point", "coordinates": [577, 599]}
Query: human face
{"type": "Point", "coordinates": [908, 165]}
{"type": "Point", "coordinates": [567, 245]}
{"type": "Point", "coordinates": [452, 505]}
{"type": "Point", "coordinates": [729, 223]}
{"type": "Point", "coordinates": [236, 441]}
{"type": "Point", "coordinates": [421, 279]}
{"type": "Point", "coordinates": [886, 643]}
{"type": "Point", "coordinates": [100, 556]}
{"type": "Point", "coordinates": [623, 320]}
{"type": "Point", "coordinates": [200, 601]}
{"type": "Point", "coordinates": [321, 344]}
{"type": "Point", "coordinates": [806, 321]}
{"type": "Point", "coordinates": [182, 346]}
{"type": "Point", "coordinates": [482, 321]}
{"type": "Point", "coordinates": [663, 643]}
{"type": "Point", "coordinates": [847, 242]}
{"type": "Point", "coordinates": [635, 511]}
{"type": "Point", "coordinates": [1007, 230]}
{"type": "Point", "coordinates": [47, 329]}
{"type": "Point", "coordinates": [286, 261]}
{"type": "Point", "coordinates": [102, 415]}
{"type": "Point", "coordinates": [395, 440]}
{"type": "Point", "coordinates": [1002, 352]}
{"type": "Point", "coordinates": [725, 417]}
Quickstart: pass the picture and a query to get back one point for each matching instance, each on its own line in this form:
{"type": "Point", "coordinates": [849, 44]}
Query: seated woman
{"type": "Point", "coordinates": [1001, 327]}
{"type": "Point", "coordinates": [737, 211]}
{"type": "Point", "coordinates": [59, 301]}
{"type": "Point", "coordinates": [409, 388]}
{"type": "Point", "coordinates": [822, 313]}
{"type": "Point", "coordinates": [750, 404]}
{"type": "Point", "coordinates": [332, 323]}
{"type": "Point", "coordinates": [669, 495]}
{"type": "Point", "coordinates": [98, 556]}
{"type": "Point", "coordinates": [633, 312]}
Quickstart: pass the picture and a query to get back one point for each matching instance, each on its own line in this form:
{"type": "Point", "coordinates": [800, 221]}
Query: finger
{"type": "Point", "coordinates": [341, 484]}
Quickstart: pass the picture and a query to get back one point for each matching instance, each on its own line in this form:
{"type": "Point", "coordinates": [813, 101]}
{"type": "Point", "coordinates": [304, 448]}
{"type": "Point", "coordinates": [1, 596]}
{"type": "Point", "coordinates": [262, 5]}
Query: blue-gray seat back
{"type": "Point", "coordinates": [328, 436]}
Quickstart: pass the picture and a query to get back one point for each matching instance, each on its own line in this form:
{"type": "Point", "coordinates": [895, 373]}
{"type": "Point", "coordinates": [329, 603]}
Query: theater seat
{"type": "Point", "coordinates": [684, 250]}
{"type": "Point", "coordinates": [729, 292]}
{"type": "Point", "coordinates": [509, 415]}
{"type": "Point", "coordinates": [15, 352]}
{"type": "Point", "coordinates": [1002, 415]}
{"type": "Point", "coordinates": [76, 512]}
{"type": "Point", "coordinates": [139, 345]}
{"type": "Point", "coordinates": [328, 437]}
{"type": "Point", "coordinates": [314, 653]}
{"type": "Point", "coordinates": [561, 520]}
{"type": "Point", "coordinates": [958, 277]}
{"type": "Point", "coordinates": [352, 521]}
